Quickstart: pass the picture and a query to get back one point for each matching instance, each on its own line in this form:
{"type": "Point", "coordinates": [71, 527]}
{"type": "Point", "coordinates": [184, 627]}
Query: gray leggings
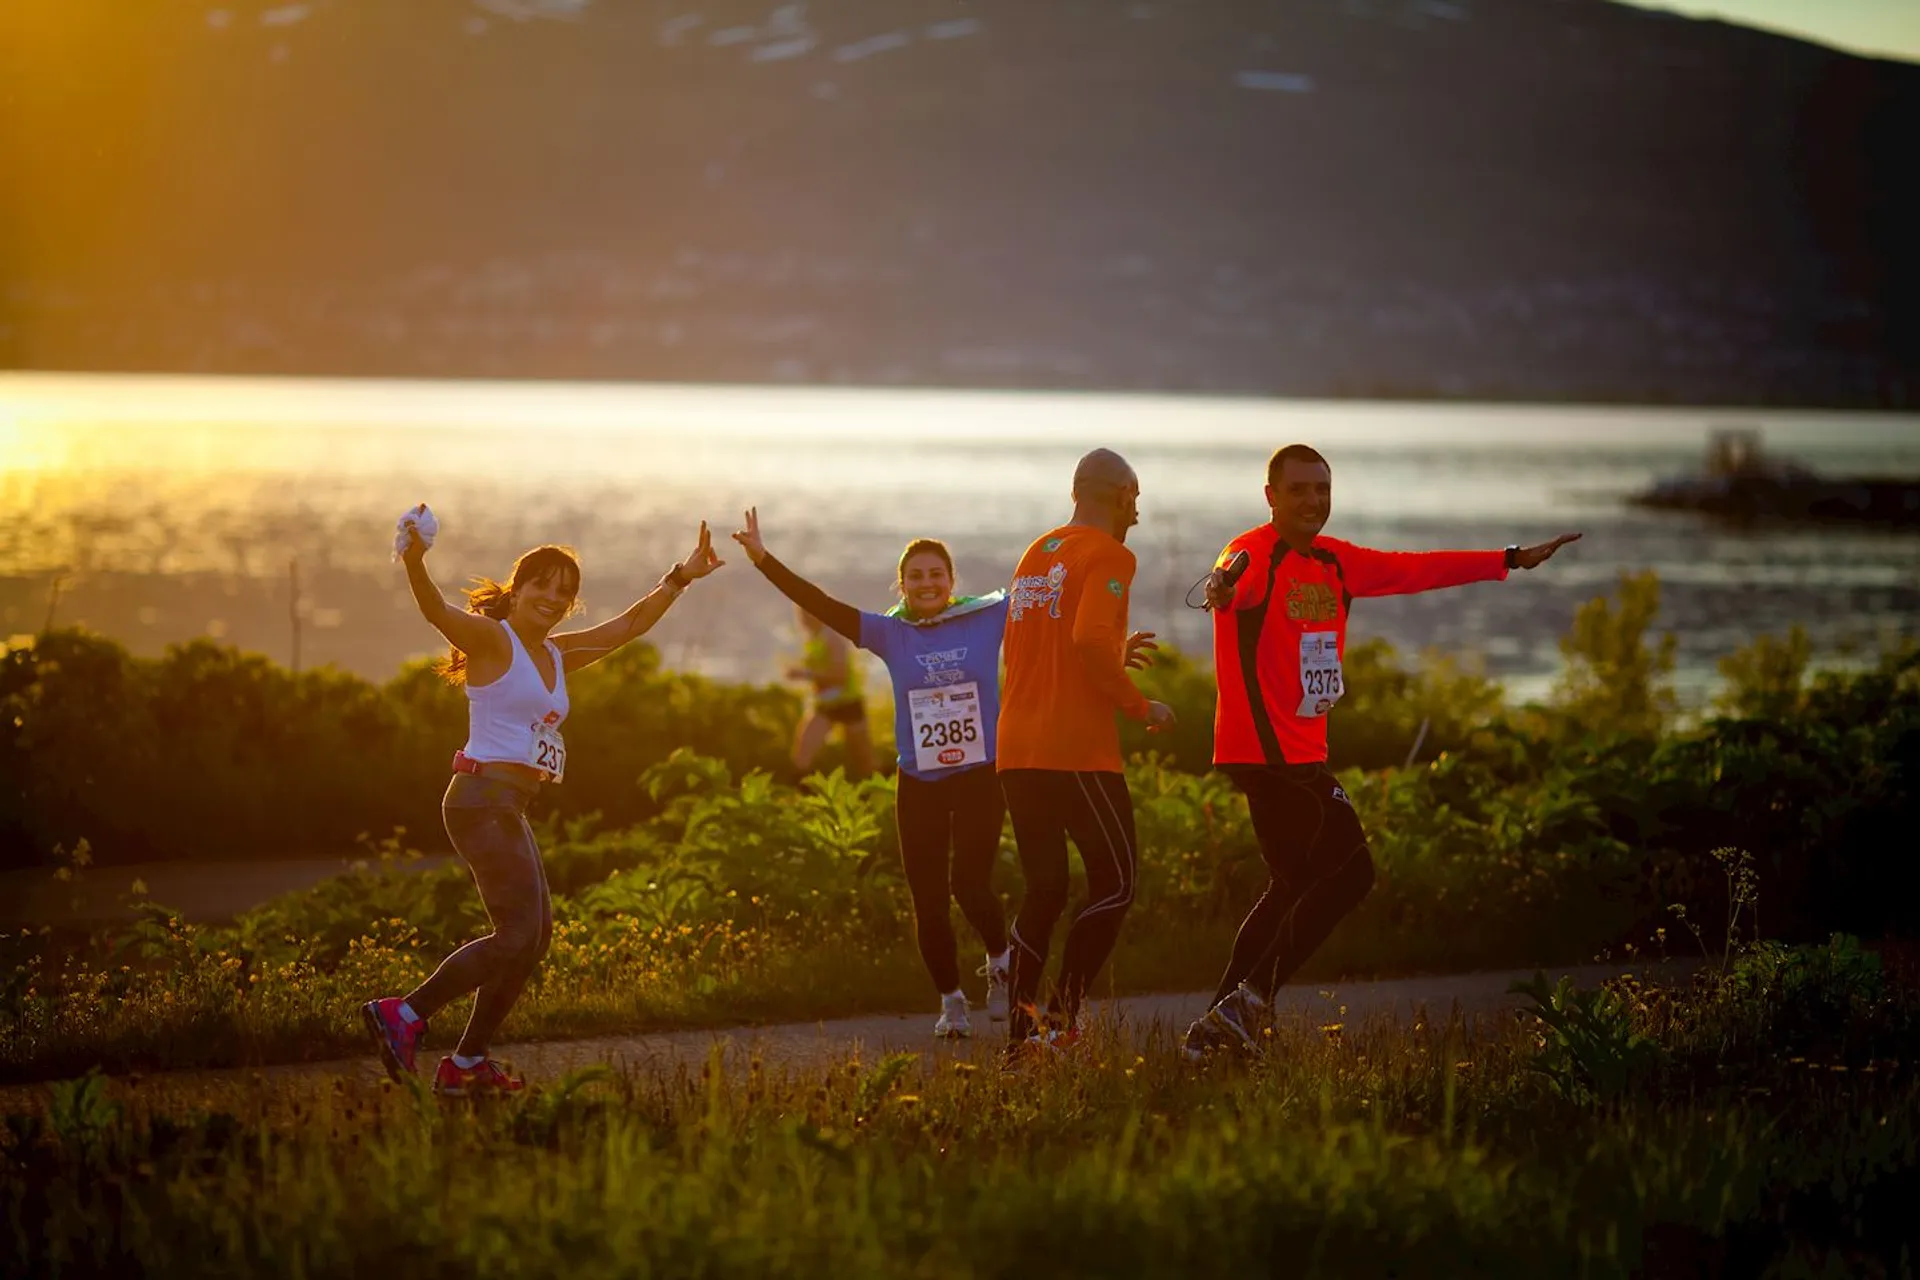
{"type": "Point", "coordinates": [486, 819]}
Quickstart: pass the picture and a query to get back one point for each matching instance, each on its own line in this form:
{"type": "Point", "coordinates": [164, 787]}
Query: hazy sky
{"type": "Point", "coordinates": [1885, 28]}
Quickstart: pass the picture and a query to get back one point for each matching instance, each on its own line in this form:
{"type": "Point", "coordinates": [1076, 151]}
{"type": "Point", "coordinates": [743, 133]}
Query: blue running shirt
{"type": "Point", "coordinates": [946, 683]}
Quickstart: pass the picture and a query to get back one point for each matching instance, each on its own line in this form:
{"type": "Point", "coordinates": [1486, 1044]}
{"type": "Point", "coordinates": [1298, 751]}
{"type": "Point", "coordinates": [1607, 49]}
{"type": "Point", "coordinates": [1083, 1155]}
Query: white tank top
{"type": "Point", "coordinates": [516, 718]}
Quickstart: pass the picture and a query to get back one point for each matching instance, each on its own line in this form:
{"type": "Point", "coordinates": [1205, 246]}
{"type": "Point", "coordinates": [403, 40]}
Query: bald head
{"type": "Point", "coordinates": [1101, 471]}
{"type": "Point", "coordinates": [1106, 493]}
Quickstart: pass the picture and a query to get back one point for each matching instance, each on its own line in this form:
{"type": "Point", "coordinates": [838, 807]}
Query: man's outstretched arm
{"type": "Point", "coordinates": [1396, 573]}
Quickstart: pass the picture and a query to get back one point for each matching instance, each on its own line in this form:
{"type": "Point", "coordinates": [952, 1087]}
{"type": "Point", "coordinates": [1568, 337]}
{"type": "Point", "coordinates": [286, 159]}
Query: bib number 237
{"type": "Point", "coordinates": [549, 753]}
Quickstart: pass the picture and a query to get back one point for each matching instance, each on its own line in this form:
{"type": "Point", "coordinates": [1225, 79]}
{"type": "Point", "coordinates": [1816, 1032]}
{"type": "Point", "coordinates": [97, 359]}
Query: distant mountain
{"type": "Point", "coordinates": [1508, 199]}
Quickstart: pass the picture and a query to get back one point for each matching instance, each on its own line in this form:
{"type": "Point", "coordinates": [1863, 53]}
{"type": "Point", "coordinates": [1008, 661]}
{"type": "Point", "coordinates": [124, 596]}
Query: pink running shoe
{"type": "Point", "coordinates": [484, 1077]}
{"type": "Point", "coordinates": [395, 1037]}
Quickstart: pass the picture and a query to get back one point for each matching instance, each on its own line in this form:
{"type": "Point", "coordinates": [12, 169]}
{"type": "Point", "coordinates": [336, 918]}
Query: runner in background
{"type": "Point", "coordinates": [1067, 654]}
{"type": "Point", "coordinates": [514, 671]}
{"type": "Point", "coordinates": [943, 654]}
{"type": "Point", "coordinates": [835, 697]}
{"type": "Point", "coordinates": [1279, 633]}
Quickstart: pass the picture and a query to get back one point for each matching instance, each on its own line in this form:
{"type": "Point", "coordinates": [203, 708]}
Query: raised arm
{"type": "Point", "coordinates": [584, 648]}
{"type": "Point", "coordinates": [470, 633]}
{"type": "Point", "coordinates": [842, 617]}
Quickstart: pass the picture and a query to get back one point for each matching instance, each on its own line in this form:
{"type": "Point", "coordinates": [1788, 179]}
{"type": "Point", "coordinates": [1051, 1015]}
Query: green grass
{"type": "Point", "coordinates": [1432, 1149]}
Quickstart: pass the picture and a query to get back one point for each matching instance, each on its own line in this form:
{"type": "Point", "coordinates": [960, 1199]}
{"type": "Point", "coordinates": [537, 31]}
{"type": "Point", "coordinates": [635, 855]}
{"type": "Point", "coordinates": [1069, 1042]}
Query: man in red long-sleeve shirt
{"type": "Point", "coordinates": [1279, 633]}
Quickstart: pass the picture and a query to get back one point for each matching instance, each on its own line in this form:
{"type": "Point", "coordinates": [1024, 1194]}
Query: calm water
{"type": "Point", "coordinates": [172, 508]}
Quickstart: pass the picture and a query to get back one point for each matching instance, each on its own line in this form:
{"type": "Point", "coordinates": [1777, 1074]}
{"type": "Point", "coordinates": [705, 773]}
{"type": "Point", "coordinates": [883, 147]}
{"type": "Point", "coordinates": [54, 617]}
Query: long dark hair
{"type": "Point", "coordinates": [491, 599]}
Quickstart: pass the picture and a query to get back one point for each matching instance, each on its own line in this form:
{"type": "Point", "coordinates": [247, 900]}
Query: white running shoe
{"type": "Point", "coordinates": [953, 1024]}
{"type": "Point", "coordinates": [996, 976]}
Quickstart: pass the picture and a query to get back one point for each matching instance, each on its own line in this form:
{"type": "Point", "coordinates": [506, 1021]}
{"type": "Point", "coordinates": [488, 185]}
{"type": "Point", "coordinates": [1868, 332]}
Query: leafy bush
{"type": "Point", "coordinates": [1614, 681]}
{"type": "Point", "coordinates": [1765, 680]}
{"type": "Point", "coordinates": [208, 753]}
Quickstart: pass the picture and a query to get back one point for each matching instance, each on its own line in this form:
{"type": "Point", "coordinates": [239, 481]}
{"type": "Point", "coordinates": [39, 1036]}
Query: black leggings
{"type": "Point", "coordinates": [962, 811]}
{"type": "Point", "coordinates": [487, 821]}
{"type": "Point", "coordinates": [1095, 809]}
{"type": "Point", "coordinates": [1320, 869]}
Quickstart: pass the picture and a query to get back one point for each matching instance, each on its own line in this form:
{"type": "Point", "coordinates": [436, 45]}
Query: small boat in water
{"type": "Point", "coordinates": [1742, 483]}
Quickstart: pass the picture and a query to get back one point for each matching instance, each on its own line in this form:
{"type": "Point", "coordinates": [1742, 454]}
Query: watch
{"type": "Point", "coordinates": [1513, 556]}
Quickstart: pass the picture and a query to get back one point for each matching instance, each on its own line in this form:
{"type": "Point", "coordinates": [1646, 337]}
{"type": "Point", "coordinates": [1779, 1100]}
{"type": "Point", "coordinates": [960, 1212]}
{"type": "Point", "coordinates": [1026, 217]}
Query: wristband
{"type": "Point", "coordinates": [1513, 557]}
{"type": "Point", "coordinates": [677, 579]}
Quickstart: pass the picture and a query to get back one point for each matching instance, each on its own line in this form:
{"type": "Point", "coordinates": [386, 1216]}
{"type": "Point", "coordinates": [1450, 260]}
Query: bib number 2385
{"type": "Point", "coordinates": [1320, 682]}
{"type": "Point", "coordinates": [549, 752]}
{"type": "Point", "coordinates": [948, 729]}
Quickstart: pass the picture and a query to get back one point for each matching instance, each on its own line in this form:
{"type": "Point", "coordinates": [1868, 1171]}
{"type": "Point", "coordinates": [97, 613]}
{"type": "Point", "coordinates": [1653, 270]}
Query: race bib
{"type": "Point", "coordinates": [947, 727]}
{"type": "Point", "coordinates": [1320, 682]}
{"type": "Point", "coordinates": [549, 753]}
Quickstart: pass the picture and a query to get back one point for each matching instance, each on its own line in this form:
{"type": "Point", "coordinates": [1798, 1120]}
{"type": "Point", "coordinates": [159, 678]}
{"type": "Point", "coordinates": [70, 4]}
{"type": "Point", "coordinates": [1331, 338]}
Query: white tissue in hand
{"type": "Point", "coordinates": [416, 518]}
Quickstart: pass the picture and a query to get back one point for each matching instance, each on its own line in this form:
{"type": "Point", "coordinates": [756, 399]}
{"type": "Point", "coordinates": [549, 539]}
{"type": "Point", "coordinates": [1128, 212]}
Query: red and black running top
{"type": "Point", "coordinates": [1277, 646]}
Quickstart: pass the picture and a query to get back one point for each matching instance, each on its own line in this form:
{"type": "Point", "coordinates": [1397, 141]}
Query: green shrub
{"type": "Point", "coordinates": [1614, 681]}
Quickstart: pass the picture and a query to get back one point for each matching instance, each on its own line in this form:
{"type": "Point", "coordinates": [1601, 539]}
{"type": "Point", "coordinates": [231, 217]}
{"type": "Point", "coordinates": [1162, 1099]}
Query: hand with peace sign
{"type": "Point", "coordinates": [749, 537]}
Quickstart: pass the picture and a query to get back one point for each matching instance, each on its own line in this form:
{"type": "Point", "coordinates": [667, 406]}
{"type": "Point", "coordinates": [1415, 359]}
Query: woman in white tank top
{"type": "Point", "coordinates": [514, 670]}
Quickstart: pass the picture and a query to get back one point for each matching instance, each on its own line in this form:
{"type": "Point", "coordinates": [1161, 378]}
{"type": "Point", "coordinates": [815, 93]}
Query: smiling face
{"type": "Point", "coordinates": [1301, 500]}
{"type": "Point", "coordinates": [926, 583]}
{"type": "Point", "coordinates": [540, 602]}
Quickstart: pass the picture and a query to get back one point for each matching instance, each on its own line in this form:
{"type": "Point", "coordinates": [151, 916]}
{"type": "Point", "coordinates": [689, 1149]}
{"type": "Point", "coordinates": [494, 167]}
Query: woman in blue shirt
{"type": "Point", "coordinates": [943, 654]}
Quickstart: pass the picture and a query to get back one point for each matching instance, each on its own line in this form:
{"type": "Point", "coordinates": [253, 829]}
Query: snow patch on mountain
{"type": "Point", "coordinates": [871, 45]}
{"type": "Point", "coordinates": [785, 34]}
{"type": "Point", "coordinates": [524, 10]}
{"type": "Point", "coordinates": [780, 50]}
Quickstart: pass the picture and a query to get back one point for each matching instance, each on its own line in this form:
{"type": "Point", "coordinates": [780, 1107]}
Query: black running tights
{"type": "Point", "coordinates": [962, 813]}
{"type": "Point", "coordinates": [1320, 870]}
{"type": "Point", "coordinates": [1048, 806]}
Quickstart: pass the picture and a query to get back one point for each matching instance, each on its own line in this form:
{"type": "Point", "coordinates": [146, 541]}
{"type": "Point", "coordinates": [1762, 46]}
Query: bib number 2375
{"type": "Point", "coordinates": [1320, 682]}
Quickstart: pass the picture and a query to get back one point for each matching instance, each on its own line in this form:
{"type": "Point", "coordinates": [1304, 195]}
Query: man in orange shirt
{"type": "Point", "coordinates": [1058, 747]}
{"type": "Point", "coordinates": [1279, 633]}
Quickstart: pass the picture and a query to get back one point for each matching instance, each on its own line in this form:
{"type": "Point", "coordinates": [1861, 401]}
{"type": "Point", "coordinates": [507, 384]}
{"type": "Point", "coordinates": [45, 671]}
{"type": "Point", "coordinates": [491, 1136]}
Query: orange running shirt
{"type": "Point", "coordinates": [1065, 652]}
{"type": "Point", "coordinates": [1277, 646]}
